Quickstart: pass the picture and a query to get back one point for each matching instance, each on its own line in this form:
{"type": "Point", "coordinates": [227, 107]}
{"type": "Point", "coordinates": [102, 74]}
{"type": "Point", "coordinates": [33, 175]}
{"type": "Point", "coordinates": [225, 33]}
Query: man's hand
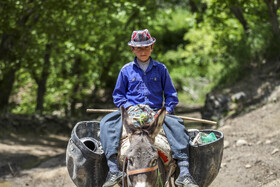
{"type": "Point", "coordinates": [128, 108]}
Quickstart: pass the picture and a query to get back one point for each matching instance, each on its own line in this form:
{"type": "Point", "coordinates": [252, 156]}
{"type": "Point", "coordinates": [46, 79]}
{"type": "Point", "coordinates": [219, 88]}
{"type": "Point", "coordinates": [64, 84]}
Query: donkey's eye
{"type": "Point", "coordinates": [154, 163]}
{"type": "Point", "coordinates": [130, 162]}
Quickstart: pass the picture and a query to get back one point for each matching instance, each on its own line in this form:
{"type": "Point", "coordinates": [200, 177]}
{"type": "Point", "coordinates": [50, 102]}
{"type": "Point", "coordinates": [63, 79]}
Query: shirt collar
{"type": "Point", "coordinates": [152, 63]}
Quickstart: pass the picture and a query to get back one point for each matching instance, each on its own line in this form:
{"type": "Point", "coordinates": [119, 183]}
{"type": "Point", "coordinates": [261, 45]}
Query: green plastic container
{"type": "Point", "coordinates": [208, 138]}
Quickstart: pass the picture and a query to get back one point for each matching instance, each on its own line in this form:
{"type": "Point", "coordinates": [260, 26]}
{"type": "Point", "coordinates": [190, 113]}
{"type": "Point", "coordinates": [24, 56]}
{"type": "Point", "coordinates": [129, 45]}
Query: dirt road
{"type": "Point", "coordinates": [251, 154]}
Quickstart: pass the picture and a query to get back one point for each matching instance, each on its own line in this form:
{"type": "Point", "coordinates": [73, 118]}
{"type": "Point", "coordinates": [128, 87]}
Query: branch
{"type": "Point", "coordinates": [237, 11]}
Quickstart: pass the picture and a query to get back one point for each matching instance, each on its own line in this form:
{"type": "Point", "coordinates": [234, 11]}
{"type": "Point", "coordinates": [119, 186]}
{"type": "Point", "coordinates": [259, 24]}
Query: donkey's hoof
{"type": "Point", "coordinates": [113, 178]}
{"type": "Point", "coordinates": [186, 181]}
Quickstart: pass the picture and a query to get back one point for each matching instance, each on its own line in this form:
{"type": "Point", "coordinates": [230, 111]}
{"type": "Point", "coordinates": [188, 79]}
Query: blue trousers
{"type": "Point", "coordinates": [111, 130]}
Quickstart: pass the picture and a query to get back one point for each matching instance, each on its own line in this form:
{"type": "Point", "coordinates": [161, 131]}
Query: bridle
{"type": "Point", "coordinates": [139, 171]}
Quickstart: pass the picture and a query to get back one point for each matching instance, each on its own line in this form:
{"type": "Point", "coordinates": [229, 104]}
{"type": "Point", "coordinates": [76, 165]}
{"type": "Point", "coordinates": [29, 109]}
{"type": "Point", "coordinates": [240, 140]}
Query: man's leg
{"type": "Point", "coordinates": [110, 134]}
{"type": "Point", "coordinates": [178, 139]}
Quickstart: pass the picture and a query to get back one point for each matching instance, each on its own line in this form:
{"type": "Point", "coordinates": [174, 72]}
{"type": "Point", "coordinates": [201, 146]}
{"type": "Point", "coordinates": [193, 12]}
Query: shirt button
{"type": "Point", "coordinates": [146, 97]}
{"type": "Point", "coordinates": [144, 73]}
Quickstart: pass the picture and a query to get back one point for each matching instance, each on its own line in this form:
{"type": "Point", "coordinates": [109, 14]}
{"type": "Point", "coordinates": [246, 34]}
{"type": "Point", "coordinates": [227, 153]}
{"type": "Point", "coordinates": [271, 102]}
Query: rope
{"type": "Point", "coordinates": [123, 172]}
{"type": "Point", "coordinates": [159, 178]}
{"type": "Point", "coordinates": [172, 166]}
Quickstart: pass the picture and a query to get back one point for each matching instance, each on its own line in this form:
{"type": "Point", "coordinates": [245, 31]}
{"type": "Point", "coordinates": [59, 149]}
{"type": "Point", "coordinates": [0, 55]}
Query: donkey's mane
{"type": "Point", "coordinates": [142, 135]}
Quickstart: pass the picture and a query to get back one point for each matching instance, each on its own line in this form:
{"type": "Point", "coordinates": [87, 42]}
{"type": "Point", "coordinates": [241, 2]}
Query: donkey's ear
{"type": "Point", "coordinates": [126, 121]}
{"type": "Point", "coordinates": [157, 123]}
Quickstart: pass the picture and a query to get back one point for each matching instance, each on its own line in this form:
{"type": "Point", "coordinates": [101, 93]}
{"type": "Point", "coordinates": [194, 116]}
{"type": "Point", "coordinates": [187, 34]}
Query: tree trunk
{"type": "Point", "coordinates": [9, 56]}
{"type": "Point", "coordinates": [6, 86]}
{"type": "Point", "coordinates": [198, 7]}
{"type": "Point", "coordinates": [74, 100]}
{"type": "Point", "coordinates": [76, 71]}
{"type": "Point", "coordinates": [273, 6]}
{"type": "Point", "coordinates": [237, 11]}
{"type": "Point", "coordinates": [42, 81]}
{"type": "Point", "coordinates": [8, 70]}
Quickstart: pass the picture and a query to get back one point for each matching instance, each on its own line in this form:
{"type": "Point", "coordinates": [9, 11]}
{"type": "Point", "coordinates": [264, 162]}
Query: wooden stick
{"type": "Point", "coordinates": [182, 117]}
{"type": "Point", "coordinates": [198, 120]}
{"type": "Point", "coordinates": [101, 110]}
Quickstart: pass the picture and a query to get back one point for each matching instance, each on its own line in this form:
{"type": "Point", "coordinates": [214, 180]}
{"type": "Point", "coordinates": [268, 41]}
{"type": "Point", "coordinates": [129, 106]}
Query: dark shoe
{"type": "Point", "coordinates": [186, 181]}
{"type": "Point", "coordinates": [113, 178]}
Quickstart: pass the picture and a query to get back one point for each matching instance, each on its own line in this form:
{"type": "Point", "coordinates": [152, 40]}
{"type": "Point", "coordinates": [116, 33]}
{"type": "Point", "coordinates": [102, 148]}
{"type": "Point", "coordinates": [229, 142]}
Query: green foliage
{"type": "Point", "coordinates": [24, 93]}
{"type": "Point", "coordinates": [76, 48]}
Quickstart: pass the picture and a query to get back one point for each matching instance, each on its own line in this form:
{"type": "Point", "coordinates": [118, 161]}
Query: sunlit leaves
{"type": "Point", "coordinates": [89, 43]}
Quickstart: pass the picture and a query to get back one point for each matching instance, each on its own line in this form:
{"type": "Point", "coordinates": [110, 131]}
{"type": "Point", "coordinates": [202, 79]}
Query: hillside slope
{"type": "Point", "coordinates": [251, 154]}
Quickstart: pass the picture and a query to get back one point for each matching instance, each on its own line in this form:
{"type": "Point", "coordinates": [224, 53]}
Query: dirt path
{"type": "Point", "coordinates": [42, 159]}
{"type": "Point", "coordinates": [251, 154]}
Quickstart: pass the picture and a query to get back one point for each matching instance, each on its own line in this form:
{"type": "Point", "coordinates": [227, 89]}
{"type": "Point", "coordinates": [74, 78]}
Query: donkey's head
{"type": "Point", "coordinates": [142, 156]}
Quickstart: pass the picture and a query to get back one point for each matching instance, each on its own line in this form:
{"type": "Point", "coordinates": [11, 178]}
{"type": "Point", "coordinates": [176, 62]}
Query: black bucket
{"type": "Point", "coordinates": [205, 160]}
{"type": "Point", "coordinates": [85, 159]}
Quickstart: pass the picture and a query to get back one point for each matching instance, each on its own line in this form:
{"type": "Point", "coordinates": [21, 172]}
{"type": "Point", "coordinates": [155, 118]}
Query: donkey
{"type": "Point", "coordinates": [144, 167]}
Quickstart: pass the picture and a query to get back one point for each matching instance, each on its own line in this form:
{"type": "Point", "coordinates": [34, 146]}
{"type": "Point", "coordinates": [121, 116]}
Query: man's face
{"type": "Point", "coordinates": [142, 53]}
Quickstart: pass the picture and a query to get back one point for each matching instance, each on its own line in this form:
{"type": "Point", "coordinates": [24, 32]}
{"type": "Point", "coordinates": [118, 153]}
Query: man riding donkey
{"type": "Point", "coordinates": [145, 81]}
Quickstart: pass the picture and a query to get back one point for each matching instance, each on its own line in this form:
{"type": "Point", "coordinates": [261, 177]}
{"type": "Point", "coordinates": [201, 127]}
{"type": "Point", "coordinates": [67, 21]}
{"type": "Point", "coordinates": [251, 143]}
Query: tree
{"type": "Point", "coordinates": [15, 26]}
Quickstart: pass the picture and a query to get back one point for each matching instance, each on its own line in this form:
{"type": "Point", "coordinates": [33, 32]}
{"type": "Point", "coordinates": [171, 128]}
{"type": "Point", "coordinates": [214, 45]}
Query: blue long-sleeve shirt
{"type": "Point", "coordinates": [134, 86]}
